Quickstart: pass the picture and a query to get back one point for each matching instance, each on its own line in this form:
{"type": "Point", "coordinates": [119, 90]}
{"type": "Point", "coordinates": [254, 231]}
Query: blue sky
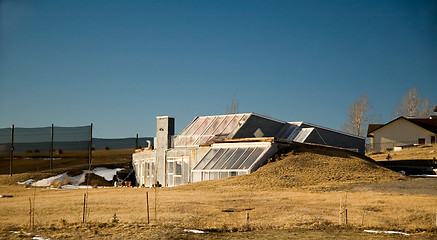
{"type": "Point", "coordinates": [119, 64]}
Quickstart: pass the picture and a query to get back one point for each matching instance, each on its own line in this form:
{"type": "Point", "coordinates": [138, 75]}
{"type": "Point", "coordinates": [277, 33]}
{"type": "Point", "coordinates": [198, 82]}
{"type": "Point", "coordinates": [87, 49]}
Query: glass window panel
{"type": "Point", "coordinates": [231, 126]}
{"type": "Point", "coordinates": [188, 134]}
{"type": "Point", "coordinates": [178, 168]}
{"type": "Point", "coordinates": [218, 132]}
{"type": "Point", "coordinates": [251, 159]}
{"type": "Point", "coordinates": [242, 173]}
{"type": "Point", "coordinates": [214, 175]}
{"type": "Point", "coordinates": [242, 158]}
{"type": "Point", "coordinates": [170, 167]}
{"type": "Point", "coordinates": [181, 138]}
{"type": "Point", "coordinates": [209, 133]}
{"type": "Point", "coordinates": [177, 181]}
{"type": "Point", "coordinates": [170, 180]}
{"type": "Point", "coordinates": [200, 131]}
{"type": "Point", "coordinates": [152, 169]}
{"type": "Point", "coordinates": [233, 174]}
{"type": "Point", "coordinates": [205, 160]}
{"type": "Point", "coordinates": [186, 172]}
{"type": "Point", "coordinates": [234, 158]}
{"type": "Point", "coordinates": [205, 176]}
{"type": "Point", "coordinates": [197, 176]}
{"type": "Point", "coordinates": [224, 174]}
{"type": "Point", "coordinates": [217, 157]}
{"type": "Point", "coordinates": [226, 157]}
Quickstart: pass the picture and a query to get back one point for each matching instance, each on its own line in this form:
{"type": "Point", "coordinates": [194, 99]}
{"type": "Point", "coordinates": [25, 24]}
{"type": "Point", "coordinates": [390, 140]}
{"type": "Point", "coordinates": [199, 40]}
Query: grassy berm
{"type": "Point", "coordinates": [297, 196]}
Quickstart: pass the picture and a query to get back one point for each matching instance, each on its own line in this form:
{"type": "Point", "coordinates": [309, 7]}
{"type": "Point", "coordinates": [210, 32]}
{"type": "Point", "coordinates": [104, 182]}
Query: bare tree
{"type": "Point", "coordinates": [357, 117]}
{"type": "Point", "coordinates": [233, 109]}
{"type": "Point", "coordinates": [412, 105]}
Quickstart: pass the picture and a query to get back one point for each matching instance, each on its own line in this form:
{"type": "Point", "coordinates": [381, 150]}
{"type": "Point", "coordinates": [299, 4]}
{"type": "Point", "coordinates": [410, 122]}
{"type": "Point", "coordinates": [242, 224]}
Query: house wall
{"type": "Point", "coordinates": [144, 166]}
{"type": "Point", "coordinates": [335, 139]}
{"type": "Point", "coordinates": [398, 133]}
{"type": "Point", "coordinates": [268, 127]}
{"type": "Point", "coordinates": [180, 161]}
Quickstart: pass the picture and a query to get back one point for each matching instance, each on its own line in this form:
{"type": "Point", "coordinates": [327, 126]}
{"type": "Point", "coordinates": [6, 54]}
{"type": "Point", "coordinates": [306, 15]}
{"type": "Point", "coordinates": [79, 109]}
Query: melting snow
{"type": "Point", "coordinates": [26, 182]}
{"type": "Point", "coordinates": [194, 231]}
{"type": "Point", "coordinates": [387, 232]}
{"type": "Point", "coordinates": [73, 182]}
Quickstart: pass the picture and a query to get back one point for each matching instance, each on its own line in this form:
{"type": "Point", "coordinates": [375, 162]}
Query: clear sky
{"type": "Point", "coordinates": [119, 64]}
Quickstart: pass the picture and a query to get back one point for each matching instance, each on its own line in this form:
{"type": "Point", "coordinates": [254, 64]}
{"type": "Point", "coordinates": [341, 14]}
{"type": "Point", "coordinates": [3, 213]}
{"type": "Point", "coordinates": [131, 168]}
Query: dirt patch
{"type": "Point", "coordinates": [92, 179]}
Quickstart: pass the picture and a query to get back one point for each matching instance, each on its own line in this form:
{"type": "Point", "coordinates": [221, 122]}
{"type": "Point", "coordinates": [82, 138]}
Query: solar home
{"type": "Point", "coordinates": [213, 147]}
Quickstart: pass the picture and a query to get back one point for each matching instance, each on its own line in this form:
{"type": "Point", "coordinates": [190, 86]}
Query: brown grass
{"type": "Point", "coordinates": [295, 192]}
{"type": "Point", "coordinates": [412, 153]}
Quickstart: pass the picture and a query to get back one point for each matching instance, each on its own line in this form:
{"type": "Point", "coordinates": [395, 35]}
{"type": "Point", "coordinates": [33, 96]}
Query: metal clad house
{"type": "Point", "coordinates": [220, 146]}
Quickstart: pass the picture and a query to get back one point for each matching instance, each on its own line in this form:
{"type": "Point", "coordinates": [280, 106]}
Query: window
{"type": "Point", "coordinates": [421, 141]}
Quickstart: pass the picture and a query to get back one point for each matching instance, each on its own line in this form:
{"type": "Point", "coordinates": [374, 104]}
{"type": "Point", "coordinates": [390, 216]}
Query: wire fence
{"type": "Point", "coordinates": [44, 139]}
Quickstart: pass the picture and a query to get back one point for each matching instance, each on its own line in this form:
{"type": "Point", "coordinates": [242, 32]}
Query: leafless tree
{"type": "Point", "coordinates": [233, 109]}
{"type": "Point", "coordinates": [413, 105]}
{"type": "Point", "coordinates": [357, 117]}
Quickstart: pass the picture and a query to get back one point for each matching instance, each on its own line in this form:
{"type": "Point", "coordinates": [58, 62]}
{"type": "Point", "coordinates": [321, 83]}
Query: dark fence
{"type": "Point", "coordinates": [120, 143]}
{"type": "Point", "coordinates": [44, 139]}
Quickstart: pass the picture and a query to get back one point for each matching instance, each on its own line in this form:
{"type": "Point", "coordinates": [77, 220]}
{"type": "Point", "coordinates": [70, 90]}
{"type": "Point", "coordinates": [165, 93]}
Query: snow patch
{"type": "Point", "coordinates": [195, 231]}
{"type": "Point", "coordinates": [74, 187]}
{"type": "Point", "coordinates": [27, 182]}
{"type": "Point", "coordinates": [49, 181]}
{"type": "Point", "coordinates": [75, 181]}
{"type": "Point", "coordinates": [386, 232]}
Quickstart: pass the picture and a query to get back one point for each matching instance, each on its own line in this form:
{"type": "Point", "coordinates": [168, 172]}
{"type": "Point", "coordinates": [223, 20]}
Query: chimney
{"type": "Point", "coordinates": [164, 133]}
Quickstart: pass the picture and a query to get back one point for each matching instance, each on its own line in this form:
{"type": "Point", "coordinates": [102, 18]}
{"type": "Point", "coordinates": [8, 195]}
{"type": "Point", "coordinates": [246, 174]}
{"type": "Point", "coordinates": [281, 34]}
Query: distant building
{"type": "Point", "coordinates": [402, 132]}
{"type": "Point", "coordinates": [213, 147]}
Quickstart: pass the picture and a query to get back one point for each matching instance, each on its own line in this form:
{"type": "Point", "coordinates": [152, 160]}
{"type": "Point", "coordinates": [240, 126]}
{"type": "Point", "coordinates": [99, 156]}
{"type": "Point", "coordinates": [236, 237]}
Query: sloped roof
{"type": "Point", "coordinates": [373, 127]}
{"type": "Point", "coordinates": [429, 124]}
{"type": "Point", "coordinates": [209, 128]}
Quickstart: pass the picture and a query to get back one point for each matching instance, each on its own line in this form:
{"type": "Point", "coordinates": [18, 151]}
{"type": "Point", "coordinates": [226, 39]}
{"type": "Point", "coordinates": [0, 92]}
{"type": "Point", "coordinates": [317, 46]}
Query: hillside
{"type": "Point", "coordinates": [309, 166]}
{"type": "Point", "coordinates": [412, 153]}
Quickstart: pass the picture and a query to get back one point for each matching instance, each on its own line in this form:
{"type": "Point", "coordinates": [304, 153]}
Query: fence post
{"type": "Point", "coordinates": [90, 147]}
{"type": "Point", "coordinates": [51, 147]}
{"type": "Point", "coordinates": [147, 206]}
{"type": "Point", "coordinates": [84, 209]}
{"type": "Point", "coordinates": [11, 156]}
{"type": "Point", "coordinates": [340, 213]}
{"type": "Point", "coordinates": [30, 212]}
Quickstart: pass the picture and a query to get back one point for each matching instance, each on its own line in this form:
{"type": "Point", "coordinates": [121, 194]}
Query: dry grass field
{"type": "Point", "coordinates": [295, 197]}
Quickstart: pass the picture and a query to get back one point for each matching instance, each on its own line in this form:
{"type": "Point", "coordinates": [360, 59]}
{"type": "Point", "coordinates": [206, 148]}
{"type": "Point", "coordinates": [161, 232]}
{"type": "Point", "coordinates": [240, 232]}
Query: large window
{"type": "Point", "coordinates": [230, 160]}
{"type": "Point", "coordinates": [206, 129]}
{"type": "Point", "coordinates": [178, 171]}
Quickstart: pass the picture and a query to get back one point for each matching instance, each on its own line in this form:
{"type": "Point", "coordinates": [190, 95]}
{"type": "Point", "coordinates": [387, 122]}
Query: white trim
{"type": "Point", "coordinates": [241, 145]}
